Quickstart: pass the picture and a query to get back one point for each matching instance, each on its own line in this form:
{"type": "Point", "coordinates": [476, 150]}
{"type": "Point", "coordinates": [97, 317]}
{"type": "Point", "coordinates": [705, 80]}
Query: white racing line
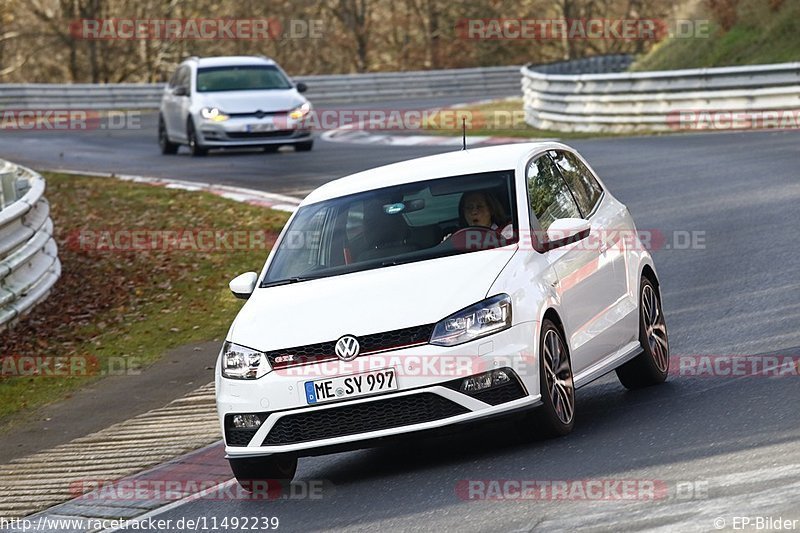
{"type": "Point", "coordinates": [350, 134]}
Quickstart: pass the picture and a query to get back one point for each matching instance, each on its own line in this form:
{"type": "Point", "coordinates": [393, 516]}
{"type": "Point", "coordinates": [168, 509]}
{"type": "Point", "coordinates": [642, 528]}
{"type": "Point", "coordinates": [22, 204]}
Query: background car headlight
{"type": "Point", "coordinates": [483, 318]}
{"type": "Point", "coordinates": [214, 114]}
{"type": "Point", "coordinates": [239, 362]}
{"type": "Point", "coordinates": [301, 111]}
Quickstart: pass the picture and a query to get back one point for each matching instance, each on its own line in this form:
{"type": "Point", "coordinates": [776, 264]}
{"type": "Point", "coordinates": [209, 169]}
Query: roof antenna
{"type": "Point", "coordinates": [463, 133]}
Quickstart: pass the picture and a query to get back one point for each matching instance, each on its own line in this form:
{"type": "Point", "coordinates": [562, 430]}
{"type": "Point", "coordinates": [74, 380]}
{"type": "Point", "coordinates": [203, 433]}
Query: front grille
{"type": "Point", "coordinates": [239, 437]}
{"type": "Point", "coordinates": [260, 134]}
{"type": "Point", "coordinates": [504, 393]}
{"type": "Point", "coordinates": [258, 114]}
{"type": "Point", "coordinates": [376, 342]}
{"type": "Point", "coordinates": [361, 418]}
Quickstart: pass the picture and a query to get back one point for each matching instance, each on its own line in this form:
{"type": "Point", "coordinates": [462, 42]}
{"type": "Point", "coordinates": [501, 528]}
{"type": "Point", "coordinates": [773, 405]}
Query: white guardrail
{"type": "Point", "coordinates": [29, 264]}
{"type": "Point", "coordinates": [333, 89]}
{"type": "Point", "coordinates": [655, 101]}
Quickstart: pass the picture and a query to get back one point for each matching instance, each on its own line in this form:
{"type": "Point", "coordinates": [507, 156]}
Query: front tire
{"type": "Point", "coordinates": [556, 416]}
{"type": "Point", "coordinates": [263, 473]}
{"type": "Point", "coordinates": [652, 365]}
{"type": "Point", "coordinates": [167, 147]}
{"type": "Point", "coordinates": [304, 146]}
{"type": "Point", "coordinates": [194, 144]}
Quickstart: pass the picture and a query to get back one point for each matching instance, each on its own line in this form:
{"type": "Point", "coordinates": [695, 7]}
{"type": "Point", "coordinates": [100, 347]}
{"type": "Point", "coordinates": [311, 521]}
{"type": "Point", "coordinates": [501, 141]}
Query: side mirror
{"type": "Point", "coordinates": [565, 231]}
{"type": "Point", "coordinates": [243, 285]}
{"type": "Point", "coordinates": [180, 91]}
{"type": "Point", "coordinates": [301, 87]}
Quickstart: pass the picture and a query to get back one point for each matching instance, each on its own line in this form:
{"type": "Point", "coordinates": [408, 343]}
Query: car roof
{"type": "Point", "coordinates": [224, 61]}
{"type": "Point", "coordinates": [470, 161]}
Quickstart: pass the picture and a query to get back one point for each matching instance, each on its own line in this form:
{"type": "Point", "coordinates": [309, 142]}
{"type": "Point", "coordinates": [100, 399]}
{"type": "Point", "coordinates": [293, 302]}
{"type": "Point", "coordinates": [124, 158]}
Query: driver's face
{"type": "Point", "coordinates": [476, 211]}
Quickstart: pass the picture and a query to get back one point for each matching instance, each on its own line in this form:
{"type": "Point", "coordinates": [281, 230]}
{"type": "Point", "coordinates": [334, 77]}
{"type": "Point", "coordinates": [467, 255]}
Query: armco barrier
{"type": "Point", "coordinates": [333, 89]}
{"type": "Point", "coordinates": [29, 264]}
{"type": "Point", "coordinates": [653, 101]}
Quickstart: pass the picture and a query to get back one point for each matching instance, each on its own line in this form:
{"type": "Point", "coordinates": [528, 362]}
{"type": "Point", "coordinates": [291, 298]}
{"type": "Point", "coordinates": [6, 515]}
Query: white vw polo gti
{"type": "Point", "coordinates": [435, 292]}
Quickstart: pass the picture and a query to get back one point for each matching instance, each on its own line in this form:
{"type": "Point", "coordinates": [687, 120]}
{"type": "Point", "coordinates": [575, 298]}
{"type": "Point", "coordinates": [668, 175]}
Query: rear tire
{"type": "Point", "coordinates": [167, 147]}
{"type": "Point", "coordinates": [194, 144]}
{"type": "Point", "coordinates": [270, 473]}
{"type": "Point", "coordinates": [556, 416]}
{"type": "Point", "coordinates": [652, 365]}
{"type": "Point", "coordinates": [304, 146]}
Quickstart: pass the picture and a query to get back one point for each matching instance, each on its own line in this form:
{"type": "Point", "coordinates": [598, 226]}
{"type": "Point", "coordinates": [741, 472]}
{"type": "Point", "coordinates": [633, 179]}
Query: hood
{"type": "Point", "coordinates": [367, 302]}
{"type": "Point", "coordinates": [252, 101]}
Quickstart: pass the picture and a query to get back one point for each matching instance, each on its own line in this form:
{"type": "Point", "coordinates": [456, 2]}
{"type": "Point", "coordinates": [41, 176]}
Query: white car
{"type": "Point", "coordinates": [391, 304]}
{"type": "Point", "coordinates": [238, 101]}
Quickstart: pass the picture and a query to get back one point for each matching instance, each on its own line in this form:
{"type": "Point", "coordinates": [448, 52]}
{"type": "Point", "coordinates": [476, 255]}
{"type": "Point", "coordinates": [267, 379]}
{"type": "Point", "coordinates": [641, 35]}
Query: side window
{"type": "Point", "coordinates": [581, 182]}
{"type": "Point", "coordinates": [182, 77]}
{"type": "Point", "coordinates": [173, 80]}
{"type": "Point", "coordinates": [548, 194]}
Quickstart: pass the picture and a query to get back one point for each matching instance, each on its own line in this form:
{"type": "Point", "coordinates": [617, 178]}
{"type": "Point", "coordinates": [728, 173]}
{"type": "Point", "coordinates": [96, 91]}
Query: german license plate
{"type": "Point", "coordinates": [325, 390]}
{"type": "Point", "coordinates": [261, 126]}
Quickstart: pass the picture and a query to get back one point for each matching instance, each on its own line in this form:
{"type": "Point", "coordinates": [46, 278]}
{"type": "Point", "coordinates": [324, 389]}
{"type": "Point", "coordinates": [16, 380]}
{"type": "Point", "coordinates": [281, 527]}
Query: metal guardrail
{"type": "Point", "coordinates": [29, 265]}
{"type": "Point", "coordinates": [333, 89]}
{"type": "Point", "coordinates": [653, 101]}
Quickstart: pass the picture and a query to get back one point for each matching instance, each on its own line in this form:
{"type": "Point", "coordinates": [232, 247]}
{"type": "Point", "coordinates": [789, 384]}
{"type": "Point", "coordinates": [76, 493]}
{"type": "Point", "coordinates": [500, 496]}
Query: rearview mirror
{"type": "Point", "coordinates": [565, 231]}
{"type": "Point", "coordinates": [301, 87]}
{"type": "Point", "coordinates": [180, 91]}
{"type": "Point", "coordinates": [243, 285]}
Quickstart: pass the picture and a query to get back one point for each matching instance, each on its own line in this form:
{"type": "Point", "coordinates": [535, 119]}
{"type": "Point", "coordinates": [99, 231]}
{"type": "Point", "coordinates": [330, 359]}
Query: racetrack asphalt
{"type": "Point", "coordinates": [734, 439]}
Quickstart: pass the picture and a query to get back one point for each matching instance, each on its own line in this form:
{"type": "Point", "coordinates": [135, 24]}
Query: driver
{"type": "Point", "coordinates": [483, 209]}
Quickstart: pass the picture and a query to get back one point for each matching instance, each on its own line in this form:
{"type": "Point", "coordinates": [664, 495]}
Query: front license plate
{"type": "Point", "coordinates": [325, 390]}
{"type": "Point", "coordinates": [261, 126]}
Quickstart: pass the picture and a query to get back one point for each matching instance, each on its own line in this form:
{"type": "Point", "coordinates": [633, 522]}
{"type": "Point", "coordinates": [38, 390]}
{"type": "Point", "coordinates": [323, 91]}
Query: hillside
{"type": "Point", "coordinates": [761, 31]}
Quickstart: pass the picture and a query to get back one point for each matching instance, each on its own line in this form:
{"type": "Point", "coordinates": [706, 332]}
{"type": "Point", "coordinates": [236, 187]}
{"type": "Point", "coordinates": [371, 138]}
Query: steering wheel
{"type": "Point", "coordinates": [474, 238]}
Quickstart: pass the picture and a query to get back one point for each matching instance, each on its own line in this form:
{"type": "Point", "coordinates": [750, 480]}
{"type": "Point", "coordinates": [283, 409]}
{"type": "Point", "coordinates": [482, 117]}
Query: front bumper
{"type": "Point", "coordinates": [424, 374]}
{"type": "Point", "coordinates": [251, 131]}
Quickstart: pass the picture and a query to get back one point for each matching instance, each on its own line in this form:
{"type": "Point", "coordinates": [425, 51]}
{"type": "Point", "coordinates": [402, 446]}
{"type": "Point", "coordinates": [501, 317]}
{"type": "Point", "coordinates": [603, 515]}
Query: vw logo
{"type": "Point", "coordinates": [347, 348]}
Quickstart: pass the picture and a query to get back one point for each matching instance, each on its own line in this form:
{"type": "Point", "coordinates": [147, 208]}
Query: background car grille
{"type": "Point", "coordinates": [377, 342]}
{"type": "Point", "coordinates": [362, 417]}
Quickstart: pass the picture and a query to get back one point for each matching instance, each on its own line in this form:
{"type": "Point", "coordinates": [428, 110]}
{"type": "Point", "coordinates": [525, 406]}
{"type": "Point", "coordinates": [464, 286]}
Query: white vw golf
{"type": "Point", "coordinates": [435, 292]}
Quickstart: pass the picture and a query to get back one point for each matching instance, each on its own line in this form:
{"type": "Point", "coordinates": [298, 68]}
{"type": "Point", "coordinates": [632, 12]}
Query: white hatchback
{"type": "Point", "coordinates": [434, 292]}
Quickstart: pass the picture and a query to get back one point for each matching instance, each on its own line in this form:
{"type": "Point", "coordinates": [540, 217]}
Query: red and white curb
{"type": "Point", "coordinates": [237, 194]}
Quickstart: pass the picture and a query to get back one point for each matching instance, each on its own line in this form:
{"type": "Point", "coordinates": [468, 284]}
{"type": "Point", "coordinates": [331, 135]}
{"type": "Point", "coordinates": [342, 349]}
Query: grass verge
{"type": "Point", "coordinates": [499, 118]}
{"type": "Point", "coordinates": [116, 310]}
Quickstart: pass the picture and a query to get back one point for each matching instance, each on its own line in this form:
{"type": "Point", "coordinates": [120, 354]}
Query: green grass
{"type": "Point", "coordinates": [127, 308]}
{"type": "Point", "coordinates": [761, 35]}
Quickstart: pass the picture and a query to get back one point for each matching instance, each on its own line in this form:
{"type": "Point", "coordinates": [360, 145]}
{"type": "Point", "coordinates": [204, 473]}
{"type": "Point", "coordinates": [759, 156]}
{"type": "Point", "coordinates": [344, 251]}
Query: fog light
{"type": "Point", "coordinates": [246, 421]}
{"type": "Point", "coordinates": [484, 381]}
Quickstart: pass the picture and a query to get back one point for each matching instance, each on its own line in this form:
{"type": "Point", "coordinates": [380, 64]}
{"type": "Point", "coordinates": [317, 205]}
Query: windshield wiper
{"type": "Point", "coordinates": [287, 281]}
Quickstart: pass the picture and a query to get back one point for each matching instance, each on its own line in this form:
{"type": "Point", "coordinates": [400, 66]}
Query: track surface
{"type": "Point", "coordinates": [736, 437]}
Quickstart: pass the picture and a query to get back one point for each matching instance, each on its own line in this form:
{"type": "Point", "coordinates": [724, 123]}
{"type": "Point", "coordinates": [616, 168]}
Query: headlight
{"type": "Point", "coordinates": [213, 114]}
{"type": "Point", "coordinates": [239, 362]}
{"type": "Point", "coordinates": [478, 320]}
{"type": "Point", "coordinates": [299, 112]}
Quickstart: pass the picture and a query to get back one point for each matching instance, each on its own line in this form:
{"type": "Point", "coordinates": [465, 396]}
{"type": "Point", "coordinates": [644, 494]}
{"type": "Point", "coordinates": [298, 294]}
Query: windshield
{"type": "Point", "coordinates": [241, 78]}
{"type": "Point", "coordinates": [401, 224]}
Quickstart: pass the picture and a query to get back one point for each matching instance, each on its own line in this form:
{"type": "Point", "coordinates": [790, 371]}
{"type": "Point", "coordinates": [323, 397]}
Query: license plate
{"type": "Point", "coordinates": [261, 126]}
{"type": "Point", "coordinates": [325, 390]}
